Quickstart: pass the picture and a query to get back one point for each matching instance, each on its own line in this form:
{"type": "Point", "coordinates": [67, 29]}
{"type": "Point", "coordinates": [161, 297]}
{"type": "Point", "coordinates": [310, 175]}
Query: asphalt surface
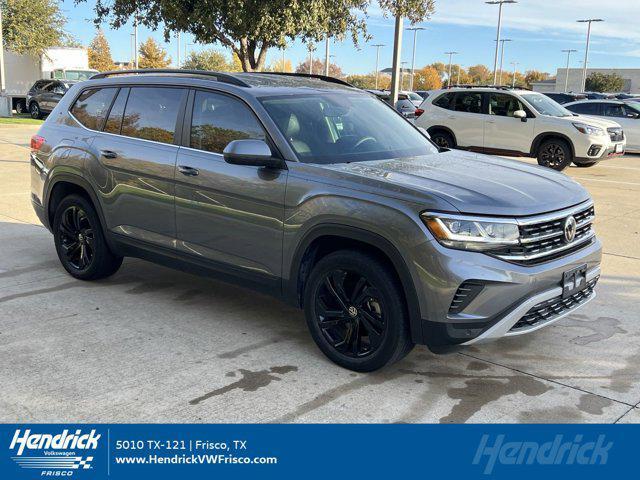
{"type": "Point", "coordinates": [155, 345]}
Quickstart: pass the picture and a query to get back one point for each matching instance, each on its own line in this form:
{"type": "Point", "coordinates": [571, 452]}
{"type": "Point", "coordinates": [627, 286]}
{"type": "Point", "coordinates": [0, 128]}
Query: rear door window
{"type": "Point", "coordinates": [151, 113]}
{"type": "Point", "coordinates": [114, 121]}
{"type": "Point", "coordinates": [469, 102]}
{"type": "Point", "coordinates": [444, 101]}
{"type": "Point", "coordinates": [91, 107]}
{"type": "Point", "coordinates": [614, 110]}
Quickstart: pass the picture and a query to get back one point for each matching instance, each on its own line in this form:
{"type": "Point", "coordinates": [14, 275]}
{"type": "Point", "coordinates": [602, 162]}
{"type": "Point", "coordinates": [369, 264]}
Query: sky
{"type": "Point", "coordinates": [539, 30]}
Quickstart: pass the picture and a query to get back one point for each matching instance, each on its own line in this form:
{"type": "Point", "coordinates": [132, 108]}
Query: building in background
{"type": "Point", "coordinates": [631, 77]}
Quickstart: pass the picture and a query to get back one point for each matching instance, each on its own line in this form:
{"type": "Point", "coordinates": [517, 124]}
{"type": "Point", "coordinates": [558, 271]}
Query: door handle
{"type": "Point", "coordinates": [188, 171]}
{"type": "Point", "coordinates": [108, 154]}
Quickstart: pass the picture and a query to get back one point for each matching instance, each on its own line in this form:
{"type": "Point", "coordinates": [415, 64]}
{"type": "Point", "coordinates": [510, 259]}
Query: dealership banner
{"type": "Point", "coordinates": [134, 451]}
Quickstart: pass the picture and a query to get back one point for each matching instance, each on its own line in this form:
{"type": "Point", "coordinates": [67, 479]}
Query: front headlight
{"type": "Point", "coordinates": [471, 233]}
{"type": "Point", "coordinates": [588, 129]}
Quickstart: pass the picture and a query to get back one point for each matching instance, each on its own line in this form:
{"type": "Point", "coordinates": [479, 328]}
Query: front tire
{"type": "Point", "coordinates": [555, 154]}
{"type": "Point", "coordinates": [80, 243]}
{"type": "Point", "coordinates": [585, 165]}
{"type": "Point", "coordinates": [34, 110]}
{"type": "Point", "coordinates": [443, 139]}
{"type": "Point", "coordinates": [356, 311]}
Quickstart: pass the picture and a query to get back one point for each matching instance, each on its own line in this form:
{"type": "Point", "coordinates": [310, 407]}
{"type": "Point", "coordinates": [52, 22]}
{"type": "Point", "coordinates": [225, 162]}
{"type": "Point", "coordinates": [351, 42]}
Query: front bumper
{"type": "Point", "coordinates": [507, 326]}
{"type": "Point", "coordinates": [589, 149]}
{"type": "Point", "coordinates": [509, 291]}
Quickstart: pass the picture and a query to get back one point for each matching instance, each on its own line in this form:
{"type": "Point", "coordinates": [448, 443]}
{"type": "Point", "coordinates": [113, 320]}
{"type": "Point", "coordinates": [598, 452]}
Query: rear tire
{"type": "Point", "coordinates": [34, 111]}
{"type": "Point", "coordinates": [555, 153]}
{"type": "Point", "coordinates": [21, 107]}
{"type": "Point", "coordinates": [443, 139]}
{"type": "Point", "coordinates": [80, 243]}
{"type": "Point", "coordinates": [356, 311]}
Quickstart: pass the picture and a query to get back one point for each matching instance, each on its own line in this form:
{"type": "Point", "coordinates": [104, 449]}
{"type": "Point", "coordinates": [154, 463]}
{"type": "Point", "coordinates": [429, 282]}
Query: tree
{"type": "Point", "coordinates": [250, 27]}
{"type": "Point", "coordinates": [32, 26]}
{"type": "Point", "coordinates": [604, 82]}
{"type": "Point", "coordinates": [207, 60]}
{"type": "Point", "coordinates": [480, 75]}
{"type": "Point", "coordinates": [369, 80]}
{"type": "Point", "coordinates": [100, 53]}
{"type": "Point", "coordinates": [153, 55]}
{"type": "Point", "coordinates": [532, 76]}
{"type": "Point", "coordinates": [318, 68]}
{"type": "Point", "coordinates": [427, 78]}
{"type": "Point", "coordinates": [441, 69]}
{"type": "Point", "coordinates": [277, 66]}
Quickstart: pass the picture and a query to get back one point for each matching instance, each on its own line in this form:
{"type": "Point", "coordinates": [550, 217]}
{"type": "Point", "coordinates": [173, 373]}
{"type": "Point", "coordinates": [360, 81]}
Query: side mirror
{"type": "Point", "coordinates": [521, 114]}
{"type": "Point", "coordinates": [255, 153]}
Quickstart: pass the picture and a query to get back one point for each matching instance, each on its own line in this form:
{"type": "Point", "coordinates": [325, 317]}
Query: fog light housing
{"type": "Point", "coordinates": [594, 150]}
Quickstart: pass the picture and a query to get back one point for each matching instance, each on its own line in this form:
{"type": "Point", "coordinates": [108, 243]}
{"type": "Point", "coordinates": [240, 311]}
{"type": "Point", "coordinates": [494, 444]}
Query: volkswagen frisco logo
{"type": "Point", "coordinates": [570, 226]}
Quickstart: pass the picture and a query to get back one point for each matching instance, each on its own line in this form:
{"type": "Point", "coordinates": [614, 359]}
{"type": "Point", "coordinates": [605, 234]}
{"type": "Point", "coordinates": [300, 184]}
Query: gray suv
{"type": "Point", "coordinates": [316, 192]}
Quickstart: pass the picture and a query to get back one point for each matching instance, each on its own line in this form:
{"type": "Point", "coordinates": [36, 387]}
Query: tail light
{"type": "Point", "coordinates": [419, 111]}
{"type": "Point", "coordinates": [36, 142]}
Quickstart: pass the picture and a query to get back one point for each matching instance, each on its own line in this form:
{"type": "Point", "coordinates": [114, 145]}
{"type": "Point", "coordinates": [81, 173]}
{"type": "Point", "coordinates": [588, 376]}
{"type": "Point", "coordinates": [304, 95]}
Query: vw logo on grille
{"type": "Point", "coordinates": [570, 226]}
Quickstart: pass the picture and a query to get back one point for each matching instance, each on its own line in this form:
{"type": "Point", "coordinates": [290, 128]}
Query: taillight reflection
{"type": "Point", "coordinates": [36, 142]}
{"type": "Point", "coordinates": [419, 112]}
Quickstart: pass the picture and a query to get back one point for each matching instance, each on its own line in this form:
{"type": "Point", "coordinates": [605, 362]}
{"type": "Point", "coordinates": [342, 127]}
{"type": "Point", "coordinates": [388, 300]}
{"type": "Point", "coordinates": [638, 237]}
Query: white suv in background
{"type": "Point", "coordinates": [501, 120]}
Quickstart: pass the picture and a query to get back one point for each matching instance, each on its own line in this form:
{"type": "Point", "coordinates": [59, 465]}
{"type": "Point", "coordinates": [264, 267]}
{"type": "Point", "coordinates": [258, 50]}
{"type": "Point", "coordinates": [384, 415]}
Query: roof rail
{"type": "Point", "coordinates": [324, 78]}
{"type": "Point", "coordinates": [218, 76]}
{"type": "Point", "coordinates": [497, 87]}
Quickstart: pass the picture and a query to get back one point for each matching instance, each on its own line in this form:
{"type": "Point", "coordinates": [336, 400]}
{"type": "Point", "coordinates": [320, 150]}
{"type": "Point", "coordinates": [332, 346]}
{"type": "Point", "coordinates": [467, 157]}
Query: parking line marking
{"type": "Point", "coordinates": [607, 181]}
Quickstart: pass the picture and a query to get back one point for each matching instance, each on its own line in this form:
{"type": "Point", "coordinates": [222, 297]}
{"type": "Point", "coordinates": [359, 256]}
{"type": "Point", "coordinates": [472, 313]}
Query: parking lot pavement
{"type": "Point", "coordinates": [156, 345]}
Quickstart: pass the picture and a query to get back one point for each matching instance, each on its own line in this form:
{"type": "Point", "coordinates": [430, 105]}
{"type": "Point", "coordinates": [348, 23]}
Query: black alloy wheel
{"type": "Point", "coordinates": [350, 313]}
{"type": "Point", "coordinates": [443, 140]}
{"type": "Point", "coordinates": [80, 241]}
{"type": "Point", "coordinates": [76, 238]}
{"type": "Point", "coordinates": [356, 311]}
{"type": "Point", "coordinates": [555, 154]}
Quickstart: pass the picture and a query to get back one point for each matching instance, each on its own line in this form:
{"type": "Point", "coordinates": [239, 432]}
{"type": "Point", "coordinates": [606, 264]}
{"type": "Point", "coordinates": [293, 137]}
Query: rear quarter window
{"type": "Point", "coordinates": [444, 101]}
{"type": "Point", "coordinates": [91, 107]}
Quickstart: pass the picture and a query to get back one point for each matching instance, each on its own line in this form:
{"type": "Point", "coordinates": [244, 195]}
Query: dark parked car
{"type": "Point", "coordinates": [563, 98]}
{"type": "Point", "coordinates": [316, 192]}
{"type": "Point", "coordinates": [404, 105]}
{"type": "Point", "coordinates": [44, 95]}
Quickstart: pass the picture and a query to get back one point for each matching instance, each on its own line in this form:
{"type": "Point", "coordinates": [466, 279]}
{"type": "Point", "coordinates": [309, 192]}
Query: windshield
{"type": "Point", "coordinates": [545, 105]}
{"type": "Point", "coordinates": [414, 96]}
{"type": "Point", "coordinates": [75, 74]}
{"type": "Point", "coordinates": [341, 128]}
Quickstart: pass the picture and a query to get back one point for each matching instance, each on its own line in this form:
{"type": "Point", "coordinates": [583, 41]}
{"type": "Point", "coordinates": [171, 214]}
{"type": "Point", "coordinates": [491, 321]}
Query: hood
{"type": "Point", "coordinates": [473, 183]}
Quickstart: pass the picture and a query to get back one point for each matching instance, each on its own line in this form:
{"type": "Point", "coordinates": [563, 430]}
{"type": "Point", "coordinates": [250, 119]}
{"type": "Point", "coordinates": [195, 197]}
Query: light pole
{"type": "Point", "coordinates": [503, 41]}
{"type": "Point", "coordinates": [589, 21]}
{"type": "Point", "coordinates": [135, 41]}
{"type": "Point", "coordinates": [458, 80]}
{"type": "Point", "coordinates": [451, 54]}
{"type": "Point", "coordinates": [178, 53]}
{"type": "Point", "coordinates": [402, 69]}
{"type": "Point", "coordinates": [283, 68]}
{"type": "Point", "coordinates": [377, 46]}
{"type": "Point", "coordinates": [326, 57]}
{"type": "Point", "coordinates": [513, 81]}
{"type": "Point", "coordinates": [495, 59]}
{"type": "Point", "coordinates": [311, 48]}
{"type": "Point", "coordinates": [397, 51]}
{"type": "Point", "coordinates": [566, 78]}
{"type": "Point", "coordinates": [5, 105]}
{"type": "Point", "coordinates": [415, 31]}
{"type": "Point", "coordinates": [186, 49]}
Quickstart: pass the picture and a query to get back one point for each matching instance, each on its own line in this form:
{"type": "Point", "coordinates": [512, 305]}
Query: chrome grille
{"type": "Point", "coordinates": [616, 134]}
{"type": "Point", "coordinates": [543, 239]}
{"type": "Point", "coordinates": [546, 311]}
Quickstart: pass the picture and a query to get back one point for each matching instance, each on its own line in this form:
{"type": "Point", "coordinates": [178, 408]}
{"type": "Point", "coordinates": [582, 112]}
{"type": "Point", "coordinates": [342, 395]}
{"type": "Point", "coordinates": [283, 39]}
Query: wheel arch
{"type": "Point", "coordinates": [541, 137]}
{"type": "Point", "coordinates": [436, 128]}
{"type": "Point", "coordinates": [327, 238]}
{"type": "Point", "coordinates": [64, 184]}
